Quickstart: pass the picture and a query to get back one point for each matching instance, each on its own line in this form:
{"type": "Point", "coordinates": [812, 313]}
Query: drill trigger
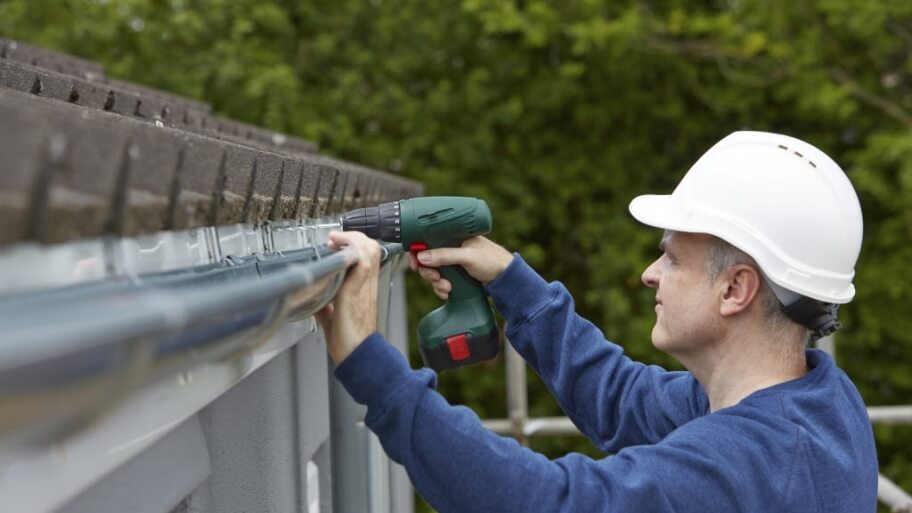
{"type": "Point", "coordinates": [417, 247]}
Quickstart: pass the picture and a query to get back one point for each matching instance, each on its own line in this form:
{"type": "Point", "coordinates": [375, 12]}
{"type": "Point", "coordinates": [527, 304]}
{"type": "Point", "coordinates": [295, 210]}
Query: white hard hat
{"type": "Point", "coordinates": [780, 200]}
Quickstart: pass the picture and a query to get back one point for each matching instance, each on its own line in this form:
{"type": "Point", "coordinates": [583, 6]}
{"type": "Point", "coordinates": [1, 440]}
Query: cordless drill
{"type": "Point", "coordinates": [463, 331]}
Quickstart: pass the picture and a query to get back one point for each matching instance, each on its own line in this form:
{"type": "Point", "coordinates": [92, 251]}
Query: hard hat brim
{"type": "Point", "coordinates": [661, 211]}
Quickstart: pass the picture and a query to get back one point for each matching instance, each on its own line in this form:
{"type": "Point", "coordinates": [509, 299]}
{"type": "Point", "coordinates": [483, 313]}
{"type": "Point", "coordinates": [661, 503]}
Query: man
{"type": "Point", "coordinates": [761, 238]}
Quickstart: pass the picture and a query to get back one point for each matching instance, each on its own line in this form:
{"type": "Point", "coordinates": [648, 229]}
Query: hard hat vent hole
{"type": "Point", "coordinates": [800, 155]}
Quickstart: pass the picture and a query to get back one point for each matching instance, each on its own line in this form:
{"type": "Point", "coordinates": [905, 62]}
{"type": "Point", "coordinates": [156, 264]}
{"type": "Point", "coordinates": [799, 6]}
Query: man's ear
{"type": "Point", "coordinates": [740, 285]}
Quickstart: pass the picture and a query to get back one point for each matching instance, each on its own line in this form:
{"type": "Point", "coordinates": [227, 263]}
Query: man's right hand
{"type": "Point", "coordinates": [483, 259]}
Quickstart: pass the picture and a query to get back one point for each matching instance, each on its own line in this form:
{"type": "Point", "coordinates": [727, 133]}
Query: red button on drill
{"type": "Point", "coordinates": [416, 248]}
{"type": "Point", "coordinates": [459, 347]}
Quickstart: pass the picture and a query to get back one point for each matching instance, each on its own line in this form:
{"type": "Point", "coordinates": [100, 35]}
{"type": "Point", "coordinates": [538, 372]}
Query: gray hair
{"type": "Point", "coordinates": [721, 256]}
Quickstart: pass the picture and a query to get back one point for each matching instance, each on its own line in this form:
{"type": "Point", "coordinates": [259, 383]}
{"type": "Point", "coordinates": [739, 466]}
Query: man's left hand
{"type": "Point", "coordinates": [352, 317]}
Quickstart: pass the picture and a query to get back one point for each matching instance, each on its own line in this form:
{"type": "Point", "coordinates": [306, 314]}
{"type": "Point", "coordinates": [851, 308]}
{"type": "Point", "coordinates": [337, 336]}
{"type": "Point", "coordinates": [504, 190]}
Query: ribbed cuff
{"type": "Point", "coordinates": [518, 291]}
{"type": "Point", "coordinates": [373, 369]}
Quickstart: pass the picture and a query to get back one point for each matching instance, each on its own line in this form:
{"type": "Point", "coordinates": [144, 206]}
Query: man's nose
{"type": "Point", "coordinates": [650, 276]}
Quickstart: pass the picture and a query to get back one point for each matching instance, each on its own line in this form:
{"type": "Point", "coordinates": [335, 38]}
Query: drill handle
{"type": "Point", "coordinates": [464, 330]}
{"type": "Point", "coordinates": [463, 285]}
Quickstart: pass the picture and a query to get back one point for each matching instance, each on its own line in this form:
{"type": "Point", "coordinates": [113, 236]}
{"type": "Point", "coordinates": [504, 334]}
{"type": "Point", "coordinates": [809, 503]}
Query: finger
{"type": "Point", "coordinates": [369, 253]}
{"type": "Point", "coordinates": [324, 317]}
{"type": "Point", "coordinates": [443, 286]}
{"type": "Point", "coordinates": [442, 295]}
{"type": "Point", "coordinates": [368, 249]}
{"type": "Point", "coordinates": [367, 267]}
{"type": "Point", "coordinates": [337, 239]}
{"type": "Point", "coordinates": [413, 261]}
{"type": "Point", "coordinates": [429, 274]}
{"type": "Point", "coordinates": [346, 238]}
{"type": "Point", "coordinates": [444, 256]}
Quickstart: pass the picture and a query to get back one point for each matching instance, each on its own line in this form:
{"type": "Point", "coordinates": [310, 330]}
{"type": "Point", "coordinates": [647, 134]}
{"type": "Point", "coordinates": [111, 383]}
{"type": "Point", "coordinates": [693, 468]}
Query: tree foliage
{"type": "Point", "coordinates": [557, 113]}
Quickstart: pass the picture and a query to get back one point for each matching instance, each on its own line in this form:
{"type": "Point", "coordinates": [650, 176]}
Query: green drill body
{"type": "Point", "coordinates": [463, 331]}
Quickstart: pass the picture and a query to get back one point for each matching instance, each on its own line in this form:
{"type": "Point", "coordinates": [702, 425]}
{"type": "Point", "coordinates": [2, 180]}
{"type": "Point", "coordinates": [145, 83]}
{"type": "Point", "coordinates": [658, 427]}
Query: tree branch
{"type": "Point", "coordinates": [881, 103]}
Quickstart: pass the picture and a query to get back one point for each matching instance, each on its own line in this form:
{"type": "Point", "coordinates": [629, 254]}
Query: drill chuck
{"type": "Point", "coordinates": [382, 222]}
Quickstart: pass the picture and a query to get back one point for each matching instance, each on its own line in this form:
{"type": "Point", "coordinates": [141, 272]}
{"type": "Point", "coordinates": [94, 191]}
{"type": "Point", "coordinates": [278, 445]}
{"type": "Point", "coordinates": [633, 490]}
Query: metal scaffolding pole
{"type": "Point", "coordinates": [517, 394]}
{"type": "Point", "coordinates": [893, 496]}
{"type": "Point", "coordinates": [890, 414]}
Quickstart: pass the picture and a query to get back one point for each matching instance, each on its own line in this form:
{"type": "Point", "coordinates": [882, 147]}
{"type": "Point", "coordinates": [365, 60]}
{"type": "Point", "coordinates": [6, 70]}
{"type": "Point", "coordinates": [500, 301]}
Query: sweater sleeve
{"type": "Point", "coordinates": [459, 466]}
{"type": "Point", "coordinates": [613, 400]}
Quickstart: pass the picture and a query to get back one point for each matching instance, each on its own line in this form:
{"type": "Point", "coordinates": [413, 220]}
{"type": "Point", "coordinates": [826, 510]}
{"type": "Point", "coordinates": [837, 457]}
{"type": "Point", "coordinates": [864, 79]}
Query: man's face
{"type": "Point", "coordinates": [687, 310]}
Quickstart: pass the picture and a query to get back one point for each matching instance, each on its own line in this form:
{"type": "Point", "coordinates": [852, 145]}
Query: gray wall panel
{"type": "Point", "coordinates": [313, 415]}
{"type": "Point", "coordinates": [312, 393]}
{"type": "Point", "coordinates": [155, 481]}
{"type": "Point", "coordinates": [251, 434]}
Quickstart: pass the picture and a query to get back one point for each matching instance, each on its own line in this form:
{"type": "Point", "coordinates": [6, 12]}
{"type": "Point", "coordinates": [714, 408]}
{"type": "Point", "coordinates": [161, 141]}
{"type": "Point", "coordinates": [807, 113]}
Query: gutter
{"type": "Point", "coordinates": [69, 355]}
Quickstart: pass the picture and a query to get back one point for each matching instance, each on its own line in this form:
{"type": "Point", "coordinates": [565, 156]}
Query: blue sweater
{"type": "Point", "coordinates": [801, 446]}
